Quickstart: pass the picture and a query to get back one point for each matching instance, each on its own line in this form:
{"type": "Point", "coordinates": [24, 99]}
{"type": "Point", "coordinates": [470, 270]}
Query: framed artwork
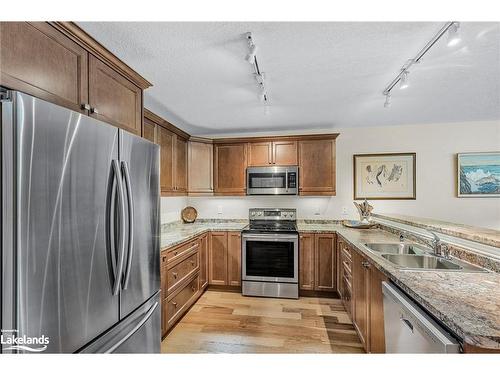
{"type": "Point", "coordinates": [478, 174]}
{"type": "Point", "coordinates": [385, 176]}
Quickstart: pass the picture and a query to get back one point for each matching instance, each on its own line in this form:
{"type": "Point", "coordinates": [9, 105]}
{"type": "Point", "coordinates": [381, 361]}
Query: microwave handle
{"type": "Point", "coordinates": [286, 180]}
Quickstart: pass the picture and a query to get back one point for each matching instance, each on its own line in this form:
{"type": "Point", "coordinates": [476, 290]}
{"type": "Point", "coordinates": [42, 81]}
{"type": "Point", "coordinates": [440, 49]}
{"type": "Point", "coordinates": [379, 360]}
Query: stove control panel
{"type": "Point", "coordinates": [273, 214]}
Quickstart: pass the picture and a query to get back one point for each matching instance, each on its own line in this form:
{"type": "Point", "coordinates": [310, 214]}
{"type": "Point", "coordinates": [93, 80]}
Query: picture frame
{"type": "Point", "coordinates": [385, 176]}
{"type": "Point", "coordinates": [478, 174]}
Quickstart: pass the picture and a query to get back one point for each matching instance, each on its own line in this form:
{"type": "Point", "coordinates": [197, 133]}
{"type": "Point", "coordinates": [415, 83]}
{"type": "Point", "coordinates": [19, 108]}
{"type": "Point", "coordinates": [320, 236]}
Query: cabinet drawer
{"type": "Point", "coordinates": [180, 301]}
{"type": "Point", "coordinates": [178, 273]}
{"type": "Point", "coordinates": [180, 250]}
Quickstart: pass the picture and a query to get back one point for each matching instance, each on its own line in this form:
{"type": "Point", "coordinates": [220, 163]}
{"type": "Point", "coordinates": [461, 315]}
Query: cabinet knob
{"type": "Point", "coordinates": [365, 264]}
{"type": "Point", "coordinates": [193, 288]}
{"type": "Point", "coordinates": [174, 274]}
{"type": "Point", "coordinates": [174, 303]}
{"type": "Point", "coordinates": [192, 262]}
{"type": "Point", "coordinates": [94, 110]}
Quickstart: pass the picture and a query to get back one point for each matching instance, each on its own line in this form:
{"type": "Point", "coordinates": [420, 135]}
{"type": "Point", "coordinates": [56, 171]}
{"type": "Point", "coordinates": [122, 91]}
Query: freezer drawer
{"type": "Point", "coordinates": [409, 329]}
{"type": "Point", "coordinates": [138, 333]}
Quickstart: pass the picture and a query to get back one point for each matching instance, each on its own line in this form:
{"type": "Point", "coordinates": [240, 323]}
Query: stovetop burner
{"type": "Point", "coordinates": [272, 220]}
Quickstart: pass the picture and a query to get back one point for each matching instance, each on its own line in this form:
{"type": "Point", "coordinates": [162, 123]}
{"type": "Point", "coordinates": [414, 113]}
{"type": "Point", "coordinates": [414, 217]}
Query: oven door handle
{"type": "Point", "coordinates": [270, 237]}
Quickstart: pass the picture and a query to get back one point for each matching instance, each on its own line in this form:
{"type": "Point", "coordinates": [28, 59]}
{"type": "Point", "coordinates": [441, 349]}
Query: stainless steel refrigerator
{"type": "Point", "coordinates": [80, 233]}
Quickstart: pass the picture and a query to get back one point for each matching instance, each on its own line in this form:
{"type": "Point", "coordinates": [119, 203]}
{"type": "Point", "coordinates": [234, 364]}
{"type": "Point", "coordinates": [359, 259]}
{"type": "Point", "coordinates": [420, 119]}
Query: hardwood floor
{"type": "Point", "coordinates": [225, 322]}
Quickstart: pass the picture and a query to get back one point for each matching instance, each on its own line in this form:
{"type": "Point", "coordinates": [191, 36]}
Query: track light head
{"type": "Point", "coordinates": [454, 34]}
{"type": "Point", "coordinates": [387, 103]}
{"type": "Point", "coordinates": [404, 83]}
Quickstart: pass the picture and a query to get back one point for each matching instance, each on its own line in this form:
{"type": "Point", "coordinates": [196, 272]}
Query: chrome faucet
{"type": "Point", "coordinates": [440, 249]}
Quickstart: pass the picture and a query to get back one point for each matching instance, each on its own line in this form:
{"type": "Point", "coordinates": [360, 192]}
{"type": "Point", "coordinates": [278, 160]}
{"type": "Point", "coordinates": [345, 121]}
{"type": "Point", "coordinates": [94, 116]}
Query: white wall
{"type": "Point", "coordinates": [436, 147]}
{"type": "Point", "coordinates": [171, 207]}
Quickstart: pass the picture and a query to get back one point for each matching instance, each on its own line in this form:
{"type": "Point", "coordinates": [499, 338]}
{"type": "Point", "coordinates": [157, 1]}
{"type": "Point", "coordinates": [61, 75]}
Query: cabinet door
{"type": "Point", "coordinates": [204, 261]}
{"type": "Point", "coordinates": [166, 141]}
{"type": "Point", "coordinates": [149, 130]}
{"type": "Point", "coordinates": [38, 60]}
{"type": "Point", "coordinates": [260, 154]}
{"type": "Point", "coordinates": [360, 279]}
{"type": "Point", "coordinates": [181, 165]}
{"type": "Point", "coordinates": [317, 167]}
{"type": "Point", "coordinates": [234, 258]}
{"type": "Point", "coordinates": [200, 168]}
{"type": "Point", "coordinates": [230, 162]}
{"type": "Point", "coordinates": [376, 334]}
{"type": "Point", "coordinates": [113, 98]}
{"type": "Point", "coordinates": [285, 153]}
{"type": "Point", "coordinates": [325, 277]}
{"type": "Point", "coordinates": [218, 258]}
{"type": "Point", "coordinates": [306, 261]}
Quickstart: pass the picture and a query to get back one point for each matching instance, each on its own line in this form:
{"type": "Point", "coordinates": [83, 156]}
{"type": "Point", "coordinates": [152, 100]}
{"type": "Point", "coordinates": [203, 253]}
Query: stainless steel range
{"type": "Point", "coordinates": [270, 254]}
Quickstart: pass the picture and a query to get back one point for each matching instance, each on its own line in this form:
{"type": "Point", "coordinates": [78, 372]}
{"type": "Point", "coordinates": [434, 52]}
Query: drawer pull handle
{"type": "Point", "coordinates": [175, 304]}
{"type": "Point", "coordinates": [174, 274]}
{"type": "Point", "coordinates": [164, 258]}
{"type": "Point", "coordinates": [175, 252]}
{"type": "Point", "coordinates": [193, 288]}
{"type": "Point", "coordinates": [192, 262]}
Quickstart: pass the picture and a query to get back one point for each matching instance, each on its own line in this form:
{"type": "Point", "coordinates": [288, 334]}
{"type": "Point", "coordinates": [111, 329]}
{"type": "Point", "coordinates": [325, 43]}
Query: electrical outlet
{"type": "Point", "coordinates": [219, 210]}
{"type": "Point", "coordinates": [317, 211]}
{"type": "Point", "coordinates": [344, 211]}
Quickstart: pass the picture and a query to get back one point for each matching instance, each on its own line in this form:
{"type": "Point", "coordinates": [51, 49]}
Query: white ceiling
{"type": "Point", "coordinates": [319, 75]}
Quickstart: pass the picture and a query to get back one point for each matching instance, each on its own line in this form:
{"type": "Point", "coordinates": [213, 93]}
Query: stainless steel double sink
{"type": "Point", "coordinates": [416, 257]}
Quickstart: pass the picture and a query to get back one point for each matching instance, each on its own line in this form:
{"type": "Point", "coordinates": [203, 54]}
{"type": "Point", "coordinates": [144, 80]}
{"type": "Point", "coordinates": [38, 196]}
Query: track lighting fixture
{"type": "Point", "coordinates": [402, 77]}
{"type": "Point", "coordinates": [454, 34]}
{"type": "Point", "coordinates": [387, 102]}
{"type": "Point", "coordinates": [251, 57]}
{"type": "Point", "coordinates": [403, 82]}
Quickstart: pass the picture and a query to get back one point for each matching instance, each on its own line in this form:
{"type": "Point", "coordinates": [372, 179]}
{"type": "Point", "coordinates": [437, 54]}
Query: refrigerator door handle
{"type": "Point", "coordinates": [130, 203]}
{"type": "Point", "coordinates": [121, 221]}
{"type": "Point", "coordinates": [134, 330]}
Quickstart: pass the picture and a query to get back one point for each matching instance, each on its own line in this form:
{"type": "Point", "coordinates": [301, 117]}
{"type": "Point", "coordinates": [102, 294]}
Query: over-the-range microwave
{"type": "Point", "coordinates": [273, 180]}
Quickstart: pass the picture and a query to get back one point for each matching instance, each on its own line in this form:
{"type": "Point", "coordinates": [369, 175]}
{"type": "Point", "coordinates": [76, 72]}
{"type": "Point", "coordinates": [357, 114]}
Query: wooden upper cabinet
{"type": "Point", "coordinates": [181, 154]}
{"type": "Point", "coordinates": [218, 258]}
{"type": "Point", "coordinates": [200, 168]}
{"type": "Point", "coordinates": [317, 167]}
{"type": "Point", "coordinates": [166, 140]}
{"type": "Point", "coordinates": [285, 152]}
{"type": "Point", "coordinates": [234, 259]}
{"type": "Point", "coordinates": [272, 153]}
{"type": "Point", "coordinates": [38, 60]}
{"type": "Point", "coordinates": [306, 261]}
{"type": "Point", "coordinates": [149, 130]}
{"type": "Point", "coordinates": [113, 98]}
{"type": "Point", "coordinates": [230, 162]}
{"type": "Point", "coordinates": [325, 276]}
{"type": "Point", "coordinates": [260, 154]}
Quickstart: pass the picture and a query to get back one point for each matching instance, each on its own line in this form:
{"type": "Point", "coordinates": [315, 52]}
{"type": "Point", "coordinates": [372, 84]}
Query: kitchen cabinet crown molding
{"type": "Point", "coordinates": [75, 33]}
{"type": "Point", "coordinates": [276, 138]}
{"type": "Point", "coordinates": [164, 123]}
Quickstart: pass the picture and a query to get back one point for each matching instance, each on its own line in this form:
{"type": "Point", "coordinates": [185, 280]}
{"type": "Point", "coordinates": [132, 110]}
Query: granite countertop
{"type": "Point", "coordinates": [467, 303]}
{"type": "Point", "coordinates": [177, 233]}
{"type": "Point", "coordinates": [485, 236]}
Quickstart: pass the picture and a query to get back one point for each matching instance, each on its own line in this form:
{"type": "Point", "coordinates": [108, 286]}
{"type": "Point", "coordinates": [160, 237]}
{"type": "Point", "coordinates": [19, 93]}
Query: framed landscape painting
{"type": "Point", "coordinates": [478, 174]}
{"type": "Point", "coordinates": [385, 176]}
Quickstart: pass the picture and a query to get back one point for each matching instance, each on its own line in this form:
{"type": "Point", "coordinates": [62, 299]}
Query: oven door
{"type": "Point", "coordinates": [270, 257]}
{"type": "Point", "coordinates": [272, 180]}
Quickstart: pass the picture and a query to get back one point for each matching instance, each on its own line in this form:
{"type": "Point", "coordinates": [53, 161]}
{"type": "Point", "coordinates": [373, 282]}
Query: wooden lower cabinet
{"type": "Point", "coordinates": [361, 292]}
{"type": "Point", "coordinates": [317, 262]}
{"type": "Point", "coordinates": [218, 259]}
{"type": "Point", "coordinates": [234, 259]}
{"type": "Point", "coordinates": [306, 261]}
{"type": "Point", "coordinates": [204, 261]}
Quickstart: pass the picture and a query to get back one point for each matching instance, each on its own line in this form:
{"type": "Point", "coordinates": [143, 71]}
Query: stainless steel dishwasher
{"type": "Point", "coordinates": [409, 329]}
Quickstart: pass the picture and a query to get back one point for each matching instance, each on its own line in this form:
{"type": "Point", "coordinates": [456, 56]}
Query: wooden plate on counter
{"type": "Point", "coordinates": [358, 224]}
{"type": "Point", "coordinates": [189, 214]}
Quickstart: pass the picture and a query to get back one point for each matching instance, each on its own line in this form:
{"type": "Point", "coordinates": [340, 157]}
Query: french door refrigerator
{"type": "Point", "coordinates": [80, 233]}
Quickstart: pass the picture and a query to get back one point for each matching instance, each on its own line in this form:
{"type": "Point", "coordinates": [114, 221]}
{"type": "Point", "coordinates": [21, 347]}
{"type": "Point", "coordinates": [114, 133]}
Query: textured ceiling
{"type": "Point", "coordinates": [319, 75]}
